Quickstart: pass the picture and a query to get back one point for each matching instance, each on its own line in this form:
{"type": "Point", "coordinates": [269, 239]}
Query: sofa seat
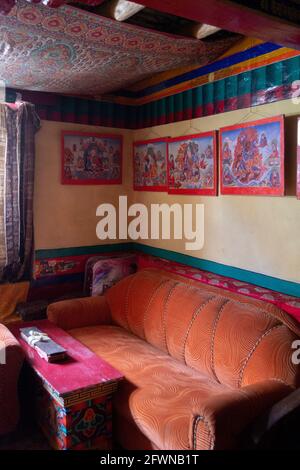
{"type": "Point", "coordinates": [155, 384]}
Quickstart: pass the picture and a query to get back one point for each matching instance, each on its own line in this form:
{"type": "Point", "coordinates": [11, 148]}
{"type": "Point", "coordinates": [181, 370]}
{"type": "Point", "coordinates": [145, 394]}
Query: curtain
{"type": "Point", "coordinates": [21, 124]}
{"type": "Point", "coordinates": [3, 141]}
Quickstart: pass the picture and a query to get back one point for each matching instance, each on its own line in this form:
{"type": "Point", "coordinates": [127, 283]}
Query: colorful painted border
{"type": "Point", "coordinates": [284, 294]}
{"type": "Point", "coordinates": [259, 55]}
{"type": "Point", "coordinates": [243, 45]}
{"type": "Point", "coordinates": [160, 188]}
{"type": "Point", "coordinates": [263, 280]}
{"type": "Point", "coordinates": [203, 192]}
{"type": "Point", "coordinates": [59, 266]}
{"type": "Point", "coordinates": [60, 108]}
{"type": "Point", "coordinates": [190, 77]}
{"type": "Point", "coordinates": [254, 190]}
{"type": "Point", "coordinates": [252, 87]}
{"type": "Point", "coordinates": [57, 284]}
{"type": "Point", "coordinates": [289, 304]}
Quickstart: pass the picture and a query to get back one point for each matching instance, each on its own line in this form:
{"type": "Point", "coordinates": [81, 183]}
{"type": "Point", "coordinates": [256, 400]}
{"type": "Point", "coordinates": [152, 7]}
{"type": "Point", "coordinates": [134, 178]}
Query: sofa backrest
{"type": "Point", "coordinates": [236, 343]}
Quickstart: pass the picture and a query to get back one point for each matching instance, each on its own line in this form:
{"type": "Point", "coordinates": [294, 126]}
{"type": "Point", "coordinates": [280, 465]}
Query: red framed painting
{"type": "Point", "coordinates": [150, 165]}
{"type": "Point", "coordinates": [192, 164]}
{"type": "Point", "coordinates": [90, 158]}
{"type": "Point", "coordinates": [298, 161]}
{"type": "Point", "coordinates": [252, 157]}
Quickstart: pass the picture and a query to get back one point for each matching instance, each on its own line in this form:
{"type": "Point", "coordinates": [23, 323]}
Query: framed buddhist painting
{"type": "Point", "coordinates": [150, 165]}
{"type": "Point", "coordinates": [192, 164]}
{"type": "Point", "coordinates": [252, 157]}
{"type": "Point", "coordinates": [89, 158]}
{"type": "Point", "coordinates": [298, 161]}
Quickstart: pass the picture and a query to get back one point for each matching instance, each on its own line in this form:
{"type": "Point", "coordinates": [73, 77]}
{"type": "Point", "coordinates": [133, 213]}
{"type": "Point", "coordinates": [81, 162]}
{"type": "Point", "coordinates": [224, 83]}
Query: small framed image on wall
{"type": "Point", "coordinates": [89, 158]}
{"type": "Point", "coordinates": [192, 164]}
{"type": "Point", "coordinates": [298, 160]}
{"type": "Point", "coordinates": [252, 157]}
{"type": "Point", "coordinates": [150, 165]}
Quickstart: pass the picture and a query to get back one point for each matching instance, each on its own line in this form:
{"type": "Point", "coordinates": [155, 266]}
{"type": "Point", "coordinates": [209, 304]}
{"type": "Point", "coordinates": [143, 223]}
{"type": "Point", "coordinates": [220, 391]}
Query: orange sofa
{"type": "Point", "coordinates": [200, 363]}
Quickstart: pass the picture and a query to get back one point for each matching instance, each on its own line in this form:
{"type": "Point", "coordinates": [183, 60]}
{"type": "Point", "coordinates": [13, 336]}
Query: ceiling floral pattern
{"type": "Point", "coordinates": [7, 5]}
{"type": "Point", "coordinates": [68, 50]}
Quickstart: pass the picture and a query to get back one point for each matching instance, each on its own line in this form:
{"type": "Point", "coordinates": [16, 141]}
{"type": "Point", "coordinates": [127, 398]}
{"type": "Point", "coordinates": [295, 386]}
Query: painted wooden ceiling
{"type": "Point", "coordinates": [71, 51]}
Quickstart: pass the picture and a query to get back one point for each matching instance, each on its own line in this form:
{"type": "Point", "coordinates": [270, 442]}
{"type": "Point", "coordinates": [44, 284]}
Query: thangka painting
{"type": "Point", "coordinates": [91, 158]}
{"type": "Point", "coordinates": [192, 164]}
{"type": "Point", "coordinates": [252, 157]}
{"type": "Point", "coordinates": [150, 165]}
{"type": "Point", "coordinates": [298, 161]}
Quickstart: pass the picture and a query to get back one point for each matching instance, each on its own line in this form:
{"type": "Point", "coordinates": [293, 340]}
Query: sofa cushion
{"type": "Point", "coordinates": [155, 385]}
{"type": "Point", "coordinates": [232, 341]}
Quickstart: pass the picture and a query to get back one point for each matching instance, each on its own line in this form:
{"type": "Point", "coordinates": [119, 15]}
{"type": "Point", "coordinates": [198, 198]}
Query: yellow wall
{"type": "Point", "coordinates": [257, 233]}
{"type": "Point", "coordinates": [65, 215]}
{"type": "Point", "coordinates": [260, 234]}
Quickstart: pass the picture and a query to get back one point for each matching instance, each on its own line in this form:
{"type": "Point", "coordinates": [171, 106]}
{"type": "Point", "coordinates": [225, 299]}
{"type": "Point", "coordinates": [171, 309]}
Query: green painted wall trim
{"type": "Point", "coordinates": [82, 250]}
{"type": "Point", "coordinates": [262, 280]}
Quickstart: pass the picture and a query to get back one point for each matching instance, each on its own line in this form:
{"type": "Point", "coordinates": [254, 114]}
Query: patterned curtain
{"type": "Point", "coordinates": [3, 142]}
{"type": "Point", "coordinates": [21, 125]}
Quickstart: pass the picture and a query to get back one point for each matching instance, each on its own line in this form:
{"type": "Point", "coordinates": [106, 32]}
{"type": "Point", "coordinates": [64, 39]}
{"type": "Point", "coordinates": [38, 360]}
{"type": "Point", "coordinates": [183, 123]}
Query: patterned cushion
{"type": "Point", "coordinates": [104, 271]}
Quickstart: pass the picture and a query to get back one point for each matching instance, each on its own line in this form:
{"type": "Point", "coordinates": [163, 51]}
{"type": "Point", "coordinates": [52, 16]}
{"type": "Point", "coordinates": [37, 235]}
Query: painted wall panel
{"type": "Point", "coordinates": [257, 233]}
{"type": "Point", "coordinates": [65, 215]}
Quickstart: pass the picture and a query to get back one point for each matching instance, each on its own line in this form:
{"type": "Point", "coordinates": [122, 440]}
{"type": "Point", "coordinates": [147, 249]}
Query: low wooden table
{"type": "Point", "coordinates": [74, 397]}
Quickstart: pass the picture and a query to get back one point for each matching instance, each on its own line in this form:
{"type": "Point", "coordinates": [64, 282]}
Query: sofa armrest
{"type": "Point", "coordinates": [77, 313]}
{"type": "Point", "coordinates": [11, 361]}
{"type": "Point", "coordinates": [271, 426]}
{"type": "Point", "coordinates": [222, 418]}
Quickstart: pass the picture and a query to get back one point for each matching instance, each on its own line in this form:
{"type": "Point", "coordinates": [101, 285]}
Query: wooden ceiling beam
{"type": "Point", "coordinates": [199, 30]}
{"type": "Point", "coordinates": [233, 17]}
{"type": "Point", "coordinates": [121, 10]}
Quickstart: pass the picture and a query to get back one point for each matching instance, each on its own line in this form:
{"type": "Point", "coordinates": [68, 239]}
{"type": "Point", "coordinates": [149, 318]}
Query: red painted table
{"type": "Point", "coordinates": [74, 397]}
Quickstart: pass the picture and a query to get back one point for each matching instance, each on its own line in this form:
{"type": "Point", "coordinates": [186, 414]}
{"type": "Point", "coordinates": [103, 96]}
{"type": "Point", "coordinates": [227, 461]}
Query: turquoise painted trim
{"type": "Point", "coordinates": [82, 250]}
{"type": "Point", "coordinates": [262, 280]}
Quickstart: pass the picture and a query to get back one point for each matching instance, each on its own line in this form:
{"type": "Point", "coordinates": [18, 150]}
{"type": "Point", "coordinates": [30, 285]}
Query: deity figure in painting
{"type": "Point", "coordinates": [146, 173]}
{"type": "Point", "coordinates": [274, 178]}
{"type": "Point", "coordinates": [227, 154]}
{"type": "Point", "coordinates": [180, 159]}
{"type": "Point", "coordinates": [227, 176]}
{"type": "Point", "coordinates": [248, 161]}
{"type": "Point", "coordinates": [171, 162]}
{"type": "Point", "coordinates": [274, 157]}
{"type": "Point", "coordinates": [171, 178]}
{"type": "Point", "coordinates": [80, 164]}
{"type": "Point", "coordinates": [68, 173]}
{"type": "Point", "coordinates": [209, 152]}
{"type": "Point", "coordinates": [88, 154]}
{"type": "Point", "coordinates": [263, 140]}
{"type": "Point", "coordinates": [69, 157]}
